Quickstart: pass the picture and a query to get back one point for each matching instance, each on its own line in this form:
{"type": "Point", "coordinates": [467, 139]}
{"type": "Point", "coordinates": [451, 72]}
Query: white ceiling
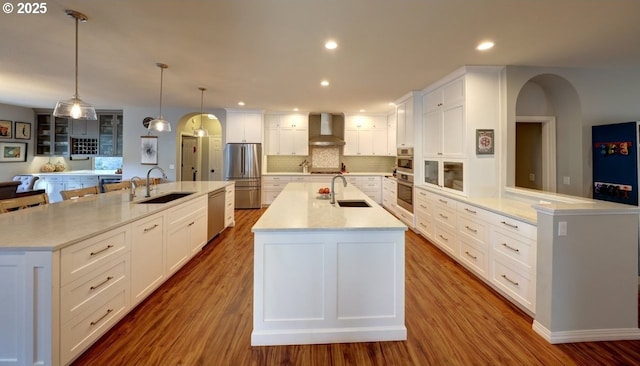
{"type": "Point", "coordinates": [270, 54]}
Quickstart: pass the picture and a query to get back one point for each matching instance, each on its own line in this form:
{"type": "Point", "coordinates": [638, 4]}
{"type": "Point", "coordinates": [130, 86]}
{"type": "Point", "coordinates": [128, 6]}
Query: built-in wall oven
{"type": "Point", "coordinates": [405, 160]}
{"type": "Point", "coordinates": [405, 191]}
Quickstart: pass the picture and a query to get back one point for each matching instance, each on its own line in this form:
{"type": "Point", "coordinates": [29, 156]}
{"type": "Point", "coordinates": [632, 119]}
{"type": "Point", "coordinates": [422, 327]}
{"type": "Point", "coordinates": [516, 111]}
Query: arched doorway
{"type": "Point", "coordinates": [200, 158]}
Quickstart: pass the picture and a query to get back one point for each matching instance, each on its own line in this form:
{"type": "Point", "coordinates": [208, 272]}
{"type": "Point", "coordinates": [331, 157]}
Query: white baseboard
{"type": "Point", "coordinates": [324, 336]}
{"type": "Point", "coordinates": [588, 335]}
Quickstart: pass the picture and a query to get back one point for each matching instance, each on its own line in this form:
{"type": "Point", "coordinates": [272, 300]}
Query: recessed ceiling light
{"type": "Point", "coordinates": [362, 110]}
{"type": "Point", "coordinates": [295, 109]}
{"type": "Point", "coordinates": [240, 103]}
{"type": "Point", "coordinates": [392, 104]}
{"type": "Point", "coordinates": [331, 45]}
{"type": "Point", "coordinates": [324, 83]}
{"type": "Point", "coordinates": [486, 45]}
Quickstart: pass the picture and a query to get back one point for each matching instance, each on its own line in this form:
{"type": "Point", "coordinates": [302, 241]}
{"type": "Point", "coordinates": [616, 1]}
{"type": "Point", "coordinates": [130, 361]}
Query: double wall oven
{"type": "Point", "coordinates": [404, 176]}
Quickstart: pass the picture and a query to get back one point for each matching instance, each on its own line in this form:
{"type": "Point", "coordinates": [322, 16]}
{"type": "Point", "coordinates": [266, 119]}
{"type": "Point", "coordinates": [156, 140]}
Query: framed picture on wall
{"type": "Point", "coordinates": [149, 150]}
{"type": "Point", "coordinates": [484, 142]}
{"type": "Point", "coordinates": [6, 129]}
{"type": "Point", "coordinates": [13, 151]}
{"type": "Point", "coordinates": [23, 130]}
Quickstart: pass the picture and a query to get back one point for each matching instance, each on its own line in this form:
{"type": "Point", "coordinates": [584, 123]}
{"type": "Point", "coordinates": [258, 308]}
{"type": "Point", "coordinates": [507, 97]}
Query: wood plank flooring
{"type": "Point", "coordinates": [203, 316]}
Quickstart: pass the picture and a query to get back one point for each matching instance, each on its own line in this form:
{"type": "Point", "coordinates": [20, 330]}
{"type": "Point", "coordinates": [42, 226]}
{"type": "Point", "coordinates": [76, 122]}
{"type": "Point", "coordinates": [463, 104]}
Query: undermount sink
{"type": "Point", "coordinates": [167, 197]}
{"type": "Point", "coordinates": [353, 203]}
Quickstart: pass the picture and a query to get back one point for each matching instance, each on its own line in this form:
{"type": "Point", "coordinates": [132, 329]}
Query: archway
{"type": "Point", "coordinates": [208, 150]}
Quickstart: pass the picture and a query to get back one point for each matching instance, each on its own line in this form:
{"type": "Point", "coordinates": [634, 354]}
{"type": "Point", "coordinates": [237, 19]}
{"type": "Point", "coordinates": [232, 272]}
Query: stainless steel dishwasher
{"type": "Point", "coordinates": [215, 213]}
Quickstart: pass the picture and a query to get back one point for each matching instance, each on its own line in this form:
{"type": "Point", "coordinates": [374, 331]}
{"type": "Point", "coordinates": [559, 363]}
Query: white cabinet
{"type": "Point", "coordinates": [229, 206]}
{"type": "Point", "coordinates": [287, 134]}
{"type": "Point", "coordinates": [147, 256]}
{"type": "Point", "coordinates": [404, 116]}
{"type": "Point", "coordinates": [423, 211]}
{"type": "Point", "coordinates": [443, 120]}
{"type": "Point", "coordinates": [53, 184]}
{"type": "Point", "coordinates": [389, 194]}
{"type": "Point", "coordinates": [366, 135]}
{"type": "Point", "coordinates": [453, 109]}
{"type": "Point", "coordinates": [244, 126]}
{"type": "Point", "coordinates": [272, 185]}
{"type": "Point", "coordinates": [473, 238]}
{"type": "Point", "coordinates": [187, 233]}
{"type": "Point", "coordinates": [392, 132]}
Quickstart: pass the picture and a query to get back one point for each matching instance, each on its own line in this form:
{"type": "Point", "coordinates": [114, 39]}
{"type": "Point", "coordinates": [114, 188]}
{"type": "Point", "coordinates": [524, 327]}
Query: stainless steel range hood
{"type": "Point", "coordinates": [330, 135]}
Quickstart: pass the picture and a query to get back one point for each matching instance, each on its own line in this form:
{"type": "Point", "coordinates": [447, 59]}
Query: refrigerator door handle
{"type": "Point", "coordinates": [242, 149]}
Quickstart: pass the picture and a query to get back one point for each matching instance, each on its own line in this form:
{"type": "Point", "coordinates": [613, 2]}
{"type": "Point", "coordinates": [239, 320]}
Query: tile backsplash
{"type": "Point", "coordinates": [354, 164]}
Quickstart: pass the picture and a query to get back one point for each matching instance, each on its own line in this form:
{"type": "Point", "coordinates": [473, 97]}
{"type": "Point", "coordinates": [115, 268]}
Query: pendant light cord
{"type": "Point", "coordinates": [161, 77]}
{"type": "Point", "coordinates": [76, 94]}
{"type": "Point", "coordinates": [201, 105]}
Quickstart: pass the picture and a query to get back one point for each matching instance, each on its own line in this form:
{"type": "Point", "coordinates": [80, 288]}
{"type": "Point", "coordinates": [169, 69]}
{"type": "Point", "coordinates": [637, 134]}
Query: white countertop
{"type": "Point", "coordinates": [298, 207]}
{"type": "Point", "coordinates": [321, 174]}
{"type": "Point", "coordinates": [56, 225]}
{"type": "Point", "coordinates": [81, 172]}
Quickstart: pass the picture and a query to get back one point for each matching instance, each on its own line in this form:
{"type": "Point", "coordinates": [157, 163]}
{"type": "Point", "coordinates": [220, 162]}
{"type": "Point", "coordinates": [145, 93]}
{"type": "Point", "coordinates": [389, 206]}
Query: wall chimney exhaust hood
{"type": "Point", "coordinates": [330, 131]}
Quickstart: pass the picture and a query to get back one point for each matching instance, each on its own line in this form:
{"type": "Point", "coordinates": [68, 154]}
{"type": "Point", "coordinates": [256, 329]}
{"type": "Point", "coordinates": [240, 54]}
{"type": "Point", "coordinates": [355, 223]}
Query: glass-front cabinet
{"type": "Point", "coordinates": [447, 174]}
{"type": "Point", "coordinates": [110, 133]}
{"type": "Point", "coordinates": [52, 135]}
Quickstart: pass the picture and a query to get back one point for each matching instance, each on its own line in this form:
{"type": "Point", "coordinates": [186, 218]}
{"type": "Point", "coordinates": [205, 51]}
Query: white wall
{"type": "Point", "coordinates": [605, 96]}
{"type": "Point", "coordinates": [21, 114]}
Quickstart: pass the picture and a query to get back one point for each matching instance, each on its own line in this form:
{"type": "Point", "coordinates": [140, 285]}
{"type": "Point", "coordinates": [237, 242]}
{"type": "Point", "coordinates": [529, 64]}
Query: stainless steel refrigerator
{"type": "Point", "coordinates": [243, 165]}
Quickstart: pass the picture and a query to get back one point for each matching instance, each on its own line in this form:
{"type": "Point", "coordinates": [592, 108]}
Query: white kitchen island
{"type": "Point", "coordinates": [327, 274]}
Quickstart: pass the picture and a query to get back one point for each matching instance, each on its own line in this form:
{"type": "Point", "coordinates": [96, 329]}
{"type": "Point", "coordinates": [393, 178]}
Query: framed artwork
{"type": "Point", "coordinates": [484, 142]}
{"type": "Point", "coordinates": [6, 129]}
{"type": "Point", "coordinates": [13, 151]}
{"type": "Point", "coordinates": [149, 150]}
{"type": "Point", "coordinates": [22, 131]}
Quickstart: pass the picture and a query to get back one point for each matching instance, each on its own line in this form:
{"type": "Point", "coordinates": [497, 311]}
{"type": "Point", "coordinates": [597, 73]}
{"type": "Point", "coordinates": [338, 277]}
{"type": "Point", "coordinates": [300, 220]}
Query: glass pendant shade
{"type": "Point", "coordinates": [160, 124]}
{"type": "Point", "coordinates": [201, 131]}
{"type": "Point", "coordinates": [75, 107]}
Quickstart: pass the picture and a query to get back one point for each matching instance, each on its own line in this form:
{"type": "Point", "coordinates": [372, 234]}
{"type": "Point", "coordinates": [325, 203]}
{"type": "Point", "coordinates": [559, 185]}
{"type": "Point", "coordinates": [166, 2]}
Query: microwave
{"type": "Point", "coordinates": [404, 161]}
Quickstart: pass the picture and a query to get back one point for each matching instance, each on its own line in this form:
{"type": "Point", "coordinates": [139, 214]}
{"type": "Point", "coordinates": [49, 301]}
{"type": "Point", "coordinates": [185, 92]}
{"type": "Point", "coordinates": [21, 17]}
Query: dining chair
{"type": "Point", "coordinates": [80, 192]}
{"type": "Point", "coordinates": [19, 203]}
{"type": "Point", "coordinates": [117, 186]}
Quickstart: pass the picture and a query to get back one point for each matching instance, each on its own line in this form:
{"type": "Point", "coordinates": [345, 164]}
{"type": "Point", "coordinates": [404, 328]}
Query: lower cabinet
{"type": "Point", "coordinates": [53, 184]}
{"type": "Point", "coordinates": [187, 233]}
{"type": "Point", "coordinates": [147, 270]}
{"type": "Point", "coordinates": [229, 206]}
{"type": "Point", "coordinates": [500, 250]}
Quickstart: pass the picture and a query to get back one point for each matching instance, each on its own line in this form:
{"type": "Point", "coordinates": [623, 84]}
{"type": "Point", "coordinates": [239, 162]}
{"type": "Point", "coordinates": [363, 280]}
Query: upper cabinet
{"type": "Point", "coordinates": [454, 109]}
{"type": "Point", "coordinates": [287, 134]}
{"type": "Point", "coordinates": [244, 126]}
{"type": "Point", "coordinates": [366, 135]}
{"type": "Point", "coordinates": [52, 135]}
{"type": "Point", "coordinates": [392, 132]}
{"type": "Point", "coordinates": [110, 133]}
{"type": "Point", "coordinates": [443, 120]}
{"type": "Point", "coordinates": [404, 115]}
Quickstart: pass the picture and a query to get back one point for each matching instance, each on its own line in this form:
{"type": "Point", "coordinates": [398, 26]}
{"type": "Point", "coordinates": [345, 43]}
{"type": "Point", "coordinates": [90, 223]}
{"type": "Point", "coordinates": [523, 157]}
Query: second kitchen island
{"type": "Point", "coordinates": [325, 273]}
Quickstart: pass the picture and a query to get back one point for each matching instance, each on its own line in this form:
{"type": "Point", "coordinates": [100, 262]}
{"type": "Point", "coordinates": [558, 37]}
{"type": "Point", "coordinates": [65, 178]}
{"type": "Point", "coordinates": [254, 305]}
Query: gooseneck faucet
{"type": "Point", "coordinates": [134, 183]}
{"type": "Point", "coordinates": [164, 176]}
{"type": "Point", "coordinates": [333, 192]}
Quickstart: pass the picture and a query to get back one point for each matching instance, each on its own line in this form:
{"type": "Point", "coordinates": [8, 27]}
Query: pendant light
{"type": "Point", "coordinates": [75, 107]}
{"type": "Point", "coordinates": [160, 124]}
{"type": "Point", "coordinates": [201, 131]}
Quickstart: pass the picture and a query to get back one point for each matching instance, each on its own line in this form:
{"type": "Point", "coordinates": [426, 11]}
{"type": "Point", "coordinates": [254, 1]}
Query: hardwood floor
{"type": "Point", "coordinates": [203, 316]}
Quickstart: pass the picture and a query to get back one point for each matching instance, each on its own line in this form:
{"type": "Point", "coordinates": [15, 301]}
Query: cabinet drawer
{"type": "Point", "coordinates": [472, 212]}
{"type": "Point", "coordinates": [274, 185]}
{"type": "Point", "coordinates": [424, 224]}
{"type": "Point", "coordinates": [445, 237]}
{"type": "Point", "coordinates": [514, 226]}
{"type": "Point", "coordinates": [298, 178]}
{"type": "Point", "coordinates": [88, 326]}
{"type": "Point", "coordinates": [515, 283]}
{"type": "Point", "coordinates": [274, 179]}
{"type": "Point", "coordinates": [79, 259]}
{"type": "Point", "coordinates": [445, 202]}
{"type": "Point", "coordinates": [422, 208]}
{"type": "Point", "coordinates": [197, 205]}
{"type": "Point", "coordinates": [474, 257]}
{"type": "Point", "coordinates": [476, 230]}
{"type": "Point", "coordinates": [370, 185]}
{"type": "Point", "coordinates": [445, 216]}
{"type": "Point", "coordinates": [514, 247]}
{"type": "Point", "coordinates": [85, 292]}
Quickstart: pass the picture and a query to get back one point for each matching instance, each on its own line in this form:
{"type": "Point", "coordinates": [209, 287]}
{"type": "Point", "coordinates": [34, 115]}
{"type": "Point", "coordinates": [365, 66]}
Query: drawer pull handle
{"type": "Point", "coordinates": [151, 228]}
{"type": "Point", "coordinates": [422, 194]}
{"type": "Point", "coordinates": [510, 280]}
{"type": "Point", "coordinates": [443, 201]}
{"type": "Point", "coordinates": [191, 223]}
{"type": "Point", "coordinates": [109, 278]}
{"type": "Point", "coordinates": [444, 216]}
{"type": "Point", "coordinates": [101, 250]}
{"type": "Point", "coordinates": [509, 225]}
{"type": "Point", "coordinates": [102, 317]}
{"type": "Point", "coordinates": [470, 229]}
{"type": "Point", "coordinates": [443, 238]}
{"type": "Point", "coordinates": [470, 211]}
{"type": "Point", "coordinates": [510, 247]}
{"type": "Point", "coordinates": [423, 206]}
{"type": "Point", "coordinates": [423, 225]}
{"type": "Point", "coordinates": [470, 255]}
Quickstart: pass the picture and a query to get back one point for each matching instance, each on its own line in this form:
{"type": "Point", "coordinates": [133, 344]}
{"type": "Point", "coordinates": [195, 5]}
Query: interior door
{"type": "Point", "coordinates": [215, 158]}
{"type": "Point", "coordinates": [189, 170]}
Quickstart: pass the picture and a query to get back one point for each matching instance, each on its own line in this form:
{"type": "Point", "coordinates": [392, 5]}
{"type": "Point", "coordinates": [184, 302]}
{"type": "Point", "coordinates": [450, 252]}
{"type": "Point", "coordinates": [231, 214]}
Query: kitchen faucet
{"type": "Point", "coordinates": [164, 176]}
{"type": "Point", "coordinates": [134, 185]}
{"type": "Point", "coordinates": [333, 192]}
